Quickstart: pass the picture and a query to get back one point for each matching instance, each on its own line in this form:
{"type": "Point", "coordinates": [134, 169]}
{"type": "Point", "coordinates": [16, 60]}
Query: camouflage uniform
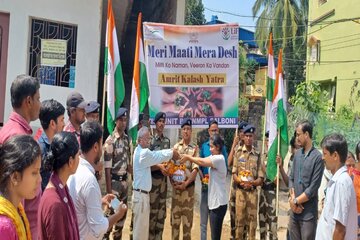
{"type": "Point", "coordinates": [117, 157]}
{"type": "Point", "coordinates": [182, 204]}
{"type": "Point", "coordinates": [267, 210]}
{"type": "Point", "coordinates": [246, 200]}
{"type": "Point", "coordinates": [158, 192]}
{"type": "Point", "coordinates": [232, 205]}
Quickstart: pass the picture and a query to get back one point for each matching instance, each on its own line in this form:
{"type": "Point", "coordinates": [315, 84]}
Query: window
{"type": "Point", "coordinates": [315, 52]}
{"type": "Point", "coordinates": [52, 52]}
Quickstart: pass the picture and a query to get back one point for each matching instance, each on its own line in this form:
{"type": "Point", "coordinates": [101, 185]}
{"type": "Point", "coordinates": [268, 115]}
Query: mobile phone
{"type": "Point", "coordinates": [115, 203]}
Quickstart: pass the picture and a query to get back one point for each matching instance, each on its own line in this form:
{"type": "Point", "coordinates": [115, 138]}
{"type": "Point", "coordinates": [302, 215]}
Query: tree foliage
{"type": "Point", "coordinates": [194, 13]}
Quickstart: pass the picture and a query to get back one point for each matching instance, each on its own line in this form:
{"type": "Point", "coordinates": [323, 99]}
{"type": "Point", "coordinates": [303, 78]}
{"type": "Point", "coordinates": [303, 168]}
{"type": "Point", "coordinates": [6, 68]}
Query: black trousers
{"type": "Point", "coordinates": [302, 230]}
{"type": "Point", "coordinates": [216, 221]}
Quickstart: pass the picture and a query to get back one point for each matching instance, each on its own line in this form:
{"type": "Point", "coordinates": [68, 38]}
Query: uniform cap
{"type": "Point", "coordinates": [92, 107]}
{"type": "Point", "coordinates": [122, 112]}
{"type": "Point", "coordinates": [242, 125]}
{"type": "Point", "coordinates": [159, 115]}
{"type": "Point", "coordinates": [187, 122]}
{"type": "Point", "coordinates": [249, 129]}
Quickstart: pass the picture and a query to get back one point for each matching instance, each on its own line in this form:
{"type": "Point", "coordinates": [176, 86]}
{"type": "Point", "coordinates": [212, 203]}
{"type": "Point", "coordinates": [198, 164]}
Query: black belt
{"type": "Point", "coordinates": [140, 190]}
{"type": "Point", "coordinates": [248, 189]}
{"type": "Point", "coordinates": [119, 177]}
{"type": "Point", "coordinates": [269, 186]}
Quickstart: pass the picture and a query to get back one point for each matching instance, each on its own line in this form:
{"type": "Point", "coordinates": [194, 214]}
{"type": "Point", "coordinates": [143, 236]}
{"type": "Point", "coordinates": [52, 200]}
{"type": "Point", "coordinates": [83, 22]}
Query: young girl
{"type": "Point", "coordinates": [217, 193]}
{"type": "Point", "coordinates": [20, 179]}
{"type": "Point", "coordinates": [56, 216]}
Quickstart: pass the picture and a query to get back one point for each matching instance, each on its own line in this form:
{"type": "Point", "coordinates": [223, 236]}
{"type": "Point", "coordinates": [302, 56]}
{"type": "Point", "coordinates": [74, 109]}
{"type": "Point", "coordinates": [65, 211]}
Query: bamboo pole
{"type": "Point", "coordinates": [103, 101]}
{"type": "Point", "coordinates": [277, 177]}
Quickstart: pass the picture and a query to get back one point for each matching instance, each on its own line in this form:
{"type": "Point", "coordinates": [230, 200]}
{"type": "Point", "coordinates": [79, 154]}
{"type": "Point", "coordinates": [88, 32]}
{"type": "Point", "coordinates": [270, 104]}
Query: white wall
{"type": "Point", "coordinates": [86, 14]}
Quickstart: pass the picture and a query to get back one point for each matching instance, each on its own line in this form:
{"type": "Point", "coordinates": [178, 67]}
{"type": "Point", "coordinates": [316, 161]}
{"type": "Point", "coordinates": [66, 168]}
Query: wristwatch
{"type": "Point", "coordinates": [295, 201]}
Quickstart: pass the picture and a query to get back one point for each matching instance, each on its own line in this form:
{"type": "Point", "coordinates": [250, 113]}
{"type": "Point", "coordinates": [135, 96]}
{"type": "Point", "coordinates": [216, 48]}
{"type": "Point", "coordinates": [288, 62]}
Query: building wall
{"type": "Point", "coordinates": [338, 42]}
{"type": "Point", "coordinates": [83, 13]}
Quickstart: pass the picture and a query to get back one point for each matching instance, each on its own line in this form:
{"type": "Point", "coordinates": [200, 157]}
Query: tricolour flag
{"type": "Point", "coordinates": [270, 83]}
{"type": "Point", "coordinates": [139, 95]}
{"type": "Point", "coordinates": [278, 124]}
{"type": "Point", "coordinates": [113, 72]}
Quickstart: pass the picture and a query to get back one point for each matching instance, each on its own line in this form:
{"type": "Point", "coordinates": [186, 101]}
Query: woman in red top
{"type": "Point", "coordinates": [56, 216]}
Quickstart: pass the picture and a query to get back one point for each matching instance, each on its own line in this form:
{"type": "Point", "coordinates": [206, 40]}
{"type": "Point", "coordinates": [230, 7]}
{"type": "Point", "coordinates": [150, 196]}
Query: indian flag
{"type": "Point", "coordinates": [139, 95]}
{"type": "Point", "coordinates": [278, 125]}
{"type": "Point", "coordinates": [270, 82]}
{"type": "Point", "coordinates": [113, 72]}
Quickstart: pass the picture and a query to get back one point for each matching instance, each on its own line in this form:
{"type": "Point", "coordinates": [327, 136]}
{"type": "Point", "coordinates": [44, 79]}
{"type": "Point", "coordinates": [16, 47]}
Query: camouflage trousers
{"type": "Point", "coordinates": [121, 187]}
{"type": "Point", "coordinates": [157, 207]}
{"type": "Point", "coordinates": [267, 214]}
{"type": "Point", "coordinates": [232, 210]}
{"type": "Point", "coordinates": [246, 214]}
{"type": "Point", "coordinates": [182, 206]}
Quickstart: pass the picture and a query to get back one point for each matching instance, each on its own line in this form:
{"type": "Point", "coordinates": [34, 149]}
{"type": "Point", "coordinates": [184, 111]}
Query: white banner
{"type": "Point", "coordinates": [193, 72]}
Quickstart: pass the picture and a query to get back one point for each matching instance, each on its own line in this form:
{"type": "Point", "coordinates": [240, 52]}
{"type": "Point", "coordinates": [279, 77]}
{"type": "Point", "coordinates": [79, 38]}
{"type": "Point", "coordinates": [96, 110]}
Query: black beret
{"type": "Point", "coordinates": [187, 122]}
{"type": "Point", "coordinates": [92, 107]}
{"type": "Point", "coordinates": [242, 125]}
{"type": "Point", "coordinates": [249, 129]}
{"type": "Point", "coordinates": [267, 134]}
{"type": "Point", "coordinates": [122, 112]}
{"type": "Point", "coordinates": [159, 115]}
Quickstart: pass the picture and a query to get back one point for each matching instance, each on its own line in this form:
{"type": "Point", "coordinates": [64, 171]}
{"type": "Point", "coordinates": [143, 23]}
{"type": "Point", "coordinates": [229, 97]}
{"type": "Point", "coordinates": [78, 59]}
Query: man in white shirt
{"type": "Point", "coordinates": [142, 162]}
{"type": "Point", "coordinates": [84, 188]}
{"type": "Point", "coordinates": [339, 216]}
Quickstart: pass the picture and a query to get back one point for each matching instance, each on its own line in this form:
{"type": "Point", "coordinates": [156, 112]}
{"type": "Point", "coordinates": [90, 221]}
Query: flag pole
{"type": "Point", "coordinates": [103, 102]}
{"type": "Point", "coordinates": [231, 178]}
{"type": "Point", "coordinates": [277, 175]}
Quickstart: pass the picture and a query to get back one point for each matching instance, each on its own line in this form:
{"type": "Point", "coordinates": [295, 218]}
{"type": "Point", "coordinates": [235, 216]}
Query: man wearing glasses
{"type": "Point", "coordinates": [304, 182]}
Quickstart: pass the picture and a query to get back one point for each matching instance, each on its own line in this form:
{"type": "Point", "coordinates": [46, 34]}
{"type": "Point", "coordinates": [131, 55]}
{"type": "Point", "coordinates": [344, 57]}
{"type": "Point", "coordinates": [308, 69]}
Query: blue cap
{"type": "Point", "coordinates": [122, 112]}
{"type": "Point", "coordinates": [249, 129]}
{"type": "Point", "coordinates": [242, 125]}
{"type": "Point", "coordinates": [159, 115]}
{"type": "Point", "coordinates": [187, 122]}
{"type": "Point", "coordinates": [92, 107]}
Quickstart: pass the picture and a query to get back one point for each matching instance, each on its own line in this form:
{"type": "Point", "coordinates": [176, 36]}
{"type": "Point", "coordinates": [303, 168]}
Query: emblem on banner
{"type": "Point", "coordinates": [193, 37]}
{"type": "Point", "coordinates": [225, 33]}
{"type": "Point", "coordinates": [154, 33]}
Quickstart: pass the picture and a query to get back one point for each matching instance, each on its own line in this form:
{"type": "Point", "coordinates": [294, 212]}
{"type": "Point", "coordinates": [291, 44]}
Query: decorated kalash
{"type": "Point", "coordinates": [182, 177]}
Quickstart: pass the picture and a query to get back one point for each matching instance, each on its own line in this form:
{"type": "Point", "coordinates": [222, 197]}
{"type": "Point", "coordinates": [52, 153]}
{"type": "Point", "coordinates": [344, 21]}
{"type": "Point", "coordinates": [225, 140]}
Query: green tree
{"type": "Point", "coordinates": [194, 13]}
{"type": "Point", "coordinates": [287, 20]}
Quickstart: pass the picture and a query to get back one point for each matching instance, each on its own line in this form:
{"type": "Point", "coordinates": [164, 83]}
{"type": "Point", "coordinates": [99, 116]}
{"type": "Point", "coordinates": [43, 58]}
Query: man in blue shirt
{"type": "Point", "coordinates": [52, 121]}
{"type": "Point", "coordinates": [205, 152]}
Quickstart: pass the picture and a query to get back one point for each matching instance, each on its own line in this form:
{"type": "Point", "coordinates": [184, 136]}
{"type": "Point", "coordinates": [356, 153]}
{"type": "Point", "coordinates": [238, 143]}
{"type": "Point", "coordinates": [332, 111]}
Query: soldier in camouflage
{"type": "Point", "coordinates": [117, 166]}
{"type": "Point", "coordinates": [246, 158]}
{"type": "Point", "coordinates": [267, 202]}
{"type": "Point", "coordinates": [182, 204]}
{"type": "Point", "coordinates": [159, 181]}
{"type": "Point", "coordinates": [238, 142]}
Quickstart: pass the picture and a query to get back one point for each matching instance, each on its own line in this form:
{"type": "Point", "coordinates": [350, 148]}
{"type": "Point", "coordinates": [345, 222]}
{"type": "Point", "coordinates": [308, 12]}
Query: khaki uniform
{"type": "Point", "coordinates": [182, 204]}
{"type": "Point", "coordinates": [158, 192]}
{"type": "Point", "coordinates": [267, 208]}
{"type": "Point", "coordinates": [117, 157]}
{"type": "Point", "coordinates": [246, 200]}
{"type": "Point", "coordinates": [232, 208]}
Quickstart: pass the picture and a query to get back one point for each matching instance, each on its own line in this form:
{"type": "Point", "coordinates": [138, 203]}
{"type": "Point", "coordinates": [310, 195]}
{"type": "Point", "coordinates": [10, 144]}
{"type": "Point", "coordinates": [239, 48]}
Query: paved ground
{"type": "Point", "coordinates": [283, 219]}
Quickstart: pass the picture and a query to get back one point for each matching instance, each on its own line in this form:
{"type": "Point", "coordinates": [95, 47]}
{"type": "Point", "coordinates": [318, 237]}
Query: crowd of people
{"type": "Point", "coordinates": [49, 182]}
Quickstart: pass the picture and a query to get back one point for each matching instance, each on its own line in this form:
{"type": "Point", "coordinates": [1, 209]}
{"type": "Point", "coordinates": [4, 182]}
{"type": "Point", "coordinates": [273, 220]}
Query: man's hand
{"type": "Point", "coordinates": [176, 155]}
{"type": "Point", "coordinates": [236, 140]}
{"type": "Point", "coordinates": [180, 185]}
{"type": "Point", "coordinates": [121, 210]}
{"type": "Point", "coordinates": [295, 208]}
{"type": "Point", "coordinates": [279, 160]}
{"type": "Point", "coordinates": [163, 169]}
{"type": "Point", "coordinates": [105, 201]}
{"type": "Point", "coordinates": [184, 158]}
{"type": "Point", "coordinates": [246, 184]}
